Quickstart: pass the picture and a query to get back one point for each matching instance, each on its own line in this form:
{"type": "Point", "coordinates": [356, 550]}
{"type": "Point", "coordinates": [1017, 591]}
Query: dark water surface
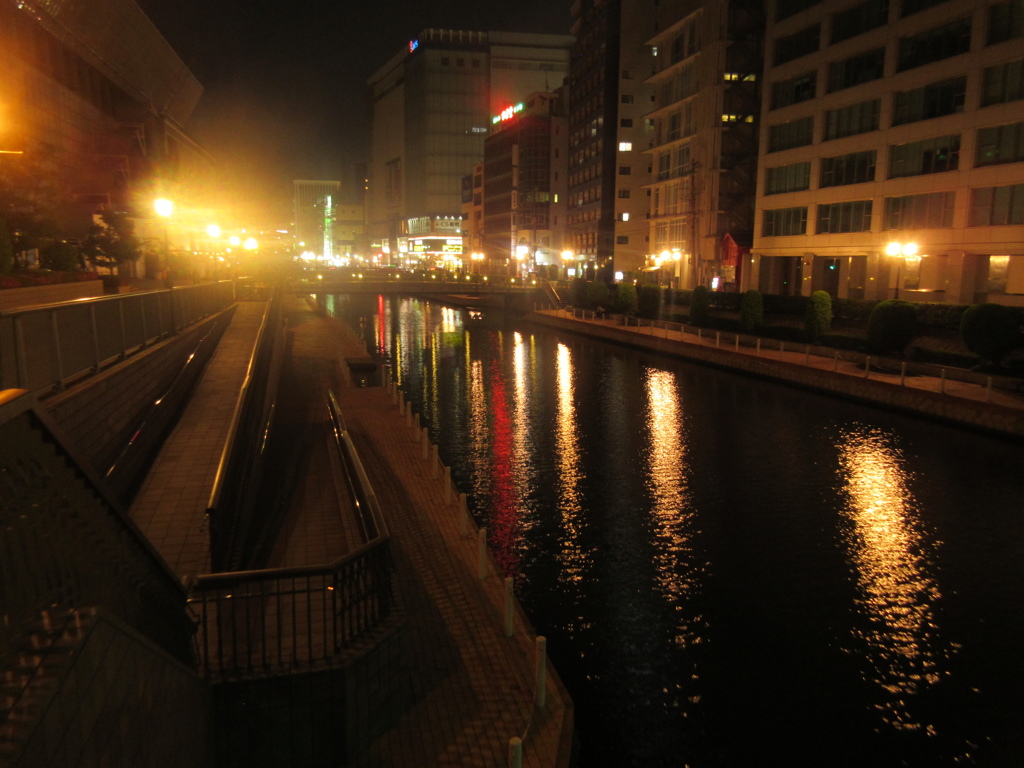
{"type": "Point", "coordinates": [730, 572]}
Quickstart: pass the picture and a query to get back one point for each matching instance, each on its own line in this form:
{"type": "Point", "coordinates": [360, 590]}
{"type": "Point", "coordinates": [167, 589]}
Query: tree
{"type": "Point", "coordinates": [751, 310]}
{"type": "Point", "coordinates": [597, 294]}
{"type": "Point", "coordinates": [6, 248]}
{"type": "Point", "coordinates": [892, 325]}
{"type": "Point", "coordinates": [113, 242]}
{"type": "Point", "coordinates": [59, 256]}
{"type": "Point", "coordinates": [818, 315]}
{"type": "Point", "coordinates": [991, 331]}
{"type": "Point", "coordinates": [30, 197]}
{"type": "Point", "coordinates": [700, 306]}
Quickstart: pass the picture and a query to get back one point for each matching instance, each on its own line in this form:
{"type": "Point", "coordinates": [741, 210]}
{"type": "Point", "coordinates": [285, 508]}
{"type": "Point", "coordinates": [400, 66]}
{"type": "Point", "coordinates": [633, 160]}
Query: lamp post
{"type": "Point", "coordinates": [165, 209]}
{"type": "Point", "coordinates": [567, 259]}
{"type": "Point", "coordinates": [904, 251]}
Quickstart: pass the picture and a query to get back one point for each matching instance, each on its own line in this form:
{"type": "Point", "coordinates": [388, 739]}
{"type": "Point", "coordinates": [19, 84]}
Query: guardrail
{"type": "Point", "coordinates": [280, 620]}
{"type": "Point", "coordinates": [236, 483]}
{"type": "Point", "coordinates": [46, 347]}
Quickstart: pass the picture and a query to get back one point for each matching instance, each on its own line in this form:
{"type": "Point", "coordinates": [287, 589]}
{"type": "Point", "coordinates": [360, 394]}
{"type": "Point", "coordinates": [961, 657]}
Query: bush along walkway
{"type": "Point", "coordinates": [969, 398]}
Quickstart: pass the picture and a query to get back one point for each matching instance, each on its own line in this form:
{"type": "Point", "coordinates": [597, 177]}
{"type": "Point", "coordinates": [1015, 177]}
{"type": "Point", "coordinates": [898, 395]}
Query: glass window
{"type": "Point", "coordinates": [934, 44]}
{"type": "Point", "coordinates": [786, 8]}
{"type": "Point", "coordinates": [795, 133]}
{"type": "Point", "coordinates": [849, 121]}
{"type": "Point", "coordinates": [624, 193]}
{"type": "Point", "coordinates": [859, 19]}
{"type": "Point", "coordinates": [854, 168]}
{"type": "Point", "coordinates": [862, 68]}
{"type": "Point", "coordinates": [787, 178]}
{"type": "Point", "coordinates": [1002, 83]}
{"type": "Point", "coordinates": [794, 90]}
{"type": "Point", "coordinates": [790, 47]}
{"type": "Point", "coordinates": [1005, 21]}
{"type": "Point", "coordinates": [922, 157]}
{"type": "Point", "coordinates": [907, 7]}
{"type": "Point", "coordinates": [1000, 144]}
{"type": "Point", "coordinates": [627, 98]}
{"type": "Point", "coordinates": [784, 221]}
{"type": "Point", "coordinates": [622, 240]}
{"type": "Point", "coordinates": [931, 211]}
{"type": "Point", "coordinates": [848, 216]}
{"type": "Point", "coordinates": [935, 100]}
{"type": "Point", "coordinates": [625, 170]}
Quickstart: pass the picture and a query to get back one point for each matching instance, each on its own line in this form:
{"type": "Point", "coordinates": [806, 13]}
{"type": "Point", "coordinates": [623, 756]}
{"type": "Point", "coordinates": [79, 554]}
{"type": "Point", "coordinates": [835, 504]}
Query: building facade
{"type": "Point", "coordinates": [892, 151]}
{"type": "Point", "coordinates": [93, 97]}
{"type": "Point", "coordinates": [524, 186]}
{"type": "Point", "coordinates": [707, 65]}
{"type": "Point", "coordinates": [431, 111]}
{"type": "Point", "coordinates": [313, 207]}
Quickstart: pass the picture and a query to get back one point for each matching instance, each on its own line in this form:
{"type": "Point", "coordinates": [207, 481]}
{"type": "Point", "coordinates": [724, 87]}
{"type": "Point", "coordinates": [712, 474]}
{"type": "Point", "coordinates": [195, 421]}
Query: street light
{"type": "Point", "coordinates": [165, 209]}
{"type": "Point", "coordinates": [567, 257]}
{"type": "Point", "coordinates": [904, 251]}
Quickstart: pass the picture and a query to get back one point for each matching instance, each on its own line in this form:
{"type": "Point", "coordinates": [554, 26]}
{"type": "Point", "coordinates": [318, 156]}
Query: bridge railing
{"type": "Point", "coordinates": [46, 347]}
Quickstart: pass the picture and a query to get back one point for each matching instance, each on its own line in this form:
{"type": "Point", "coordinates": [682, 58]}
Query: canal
{"type": "Point", "coordinates": [730, 572]}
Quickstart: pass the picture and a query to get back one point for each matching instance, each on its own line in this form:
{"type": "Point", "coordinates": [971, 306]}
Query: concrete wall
{"type": "Point", "coordinates": [18, 298]}
{"type": "Point", "coordinates": [121, 702]}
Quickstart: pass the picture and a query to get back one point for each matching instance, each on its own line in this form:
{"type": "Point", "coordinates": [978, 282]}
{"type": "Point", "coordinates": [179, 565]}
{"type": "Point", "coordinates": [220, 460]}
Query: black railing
{"type": "Point", "coordinates": [282, 620]}
{"type": "Point", "coordinates": [236, 483]}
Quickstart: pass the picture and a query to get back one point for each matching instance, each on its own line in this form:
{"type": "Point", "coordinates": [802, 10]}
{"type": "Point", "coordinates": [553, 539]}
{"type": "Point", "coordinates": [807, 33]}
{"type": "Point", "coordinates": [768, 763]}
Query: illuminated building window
{"type": "Point", "coordinates": [625, 146]}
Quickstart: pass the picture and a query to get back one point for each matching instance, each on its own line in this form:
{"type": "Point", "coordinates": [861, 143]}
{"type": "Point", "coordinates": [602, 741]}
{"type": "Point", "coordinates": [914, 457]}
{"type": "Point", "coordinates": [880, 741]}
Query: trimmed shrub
{"type": "Point", "coordinates": [597, 294]}
{"type": "Point", "coordinates": [578, 292]}
{"type": "Point", "coordinates": [892, 325]}
{"type": "Point", "coordinates": [991, 331]}
{"type": "Point", "coordinates": [751, 311]}
{"type": "Point", "coordinates": [784, 305]}
{"type": "Point", "coordinates": [818, 315]}
{"type": "Point", "coordinates": [850, 340]}
{"type": "Point", "coordinates": [648, 301]}
{"type": "Point", "coordinates": [700, 306]}
{"type": "Point", "coordinates": [625, 298]}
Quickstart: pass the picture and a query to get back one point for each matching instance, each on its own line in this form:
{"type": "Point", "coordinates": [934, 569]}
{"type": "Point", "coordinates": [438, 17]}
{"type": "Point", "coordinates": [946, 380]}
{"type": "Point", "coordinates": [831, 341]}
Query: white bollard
{"type": "Point", "coordinates": [758, 353]}
{"type": "Point", "coordinates": [867, 367]}
{"type": "Point", "coordinates": [447, 485]}
{"type": "Point", "coordinates": [718, 338]}
{"type": "Point", "coordinates": [434, 464]}
{"type": "Point", "coordinates": [782, 347]}
{"type": "Point", "coordinates": [903, 373]}
{"type": "Point", "coordinates": [736, 343]}
{"type": "Point", "coordinates": [700, 336]}
{"type": "Point", "coordinates": [835, 361]}
{"type": "Point", "coordinates": [540, 671]}
{"type": "Point", "coordinates": [465, 514]}
{"type": "Point", "coordinates": [481, 554]}
{"type": "Point", "coordinates": [408, 413]}
{"type": "Point", "coordinates": [509, 606]}
{"type": "Point", "coordinates": [424, 443]}
{"type": "Point", "coordinates": [515, 752]}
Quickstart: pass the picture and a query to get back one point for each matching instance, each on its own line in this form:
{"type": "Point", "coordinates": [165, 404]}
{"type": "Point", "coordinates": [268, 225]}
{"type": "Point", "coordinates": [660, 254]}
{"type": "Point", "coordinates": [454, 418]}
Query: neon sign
{"type": "Point", "coordinates": [507, 113]}
{"type": "Point", "coordinates": [413, 45]}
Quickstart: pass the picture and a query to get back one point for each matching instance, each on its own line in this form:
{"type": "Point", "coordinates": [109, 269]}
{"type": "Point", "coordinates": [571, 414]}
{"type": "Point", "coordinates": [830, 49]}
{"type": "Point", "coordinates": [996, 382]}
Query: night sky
{"type": "Point", "coordinates": [284, 83]}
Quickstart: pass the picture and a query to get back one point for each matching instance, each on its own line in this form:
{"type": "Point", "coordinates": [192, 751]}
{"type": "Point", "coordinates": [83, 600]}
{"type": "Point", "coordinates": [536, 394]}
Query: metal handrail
{"type": "Point", "coordinates": [275, 620]}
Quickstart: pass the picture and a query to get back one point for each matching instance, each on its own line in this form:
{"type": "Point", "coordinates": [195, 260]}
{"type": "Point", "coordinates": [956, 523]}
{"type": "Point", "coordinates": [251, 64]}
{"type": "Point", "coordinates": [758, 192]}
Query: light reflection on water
{"type": "Point", "coordinates": [895, 573]}
{"type": "Point", "coordinates": [730, 572]}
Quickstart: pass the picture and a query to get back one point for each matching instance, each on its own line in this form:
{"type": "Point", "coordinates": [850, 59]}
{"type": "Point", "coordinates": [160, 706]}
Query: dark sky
{"type": "Point", "coordinates": [285, 81]}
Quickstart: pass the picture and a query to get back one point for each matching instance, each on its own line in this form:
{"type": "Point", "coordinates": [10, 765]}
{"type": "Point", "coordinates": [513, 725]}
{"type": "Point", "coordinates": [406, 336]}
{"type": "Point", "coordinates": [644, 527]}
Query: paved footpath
{"type": "Point", "coordinates": [472, 687]}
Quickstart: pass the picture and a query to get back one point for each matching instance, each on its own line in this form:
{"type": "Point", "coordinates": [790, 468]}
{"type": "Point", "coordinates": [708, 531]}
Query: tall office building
{"type": "Point", "coordinates": [314, 202]}
{"type": "Point", "coordinates": [892, 127]}
{"type": "Point", "coordinates": [707, 61]}
{"type": "Point", "coordinates": [92, 94]}
{"type": "Point", "coordinates": [524, 185]}
{"type": "Point", "coordinates": [432, 107]}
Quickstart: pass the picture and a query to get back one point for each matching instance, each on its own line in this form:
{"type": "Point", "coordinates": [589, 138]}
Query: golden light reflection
{"type": "Point", "coordinates": [524, 373]}
{"type": "Point", "coordinates": [681, 571]}
{"type": "Point", "coordinates": [894, 577]}
{"type": "Point", "coordinates": [570, 475]}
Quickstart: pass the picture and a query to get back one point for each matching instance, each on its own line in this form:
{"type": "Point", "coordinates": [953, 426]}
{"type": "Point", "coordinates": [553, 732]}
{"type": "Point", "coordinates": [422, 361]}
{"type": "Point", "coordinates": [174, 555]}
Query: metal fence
{"type": "Point", "coordinates": [276, 621]}
{"type": "Point", "coordinates": [47, 347]}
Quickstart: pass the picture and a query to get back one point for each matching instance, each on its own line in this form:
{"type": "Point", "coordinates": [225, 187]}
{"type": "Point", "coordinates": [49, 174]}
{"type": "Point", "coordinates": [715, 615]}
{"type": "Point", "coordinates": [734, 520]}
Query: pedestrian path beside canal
{"type": "Point", "coordinates": [877, 381]}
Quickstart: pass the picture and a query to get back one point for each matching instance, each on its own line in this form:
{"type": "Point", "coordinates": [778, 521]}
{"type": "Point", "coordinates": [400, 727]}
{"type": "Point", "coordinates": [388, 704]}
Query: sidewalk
{"type": "Point", "coordinates": [973, 405]}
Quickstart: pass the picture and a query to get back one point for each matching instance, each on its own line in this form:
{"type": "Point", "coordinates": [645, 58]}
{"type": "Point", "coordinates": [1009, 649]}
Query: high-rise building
{"type": "Point", "coordinates": [432, 106]}
{"type": "Point", "coordinates": [892, 151]}
{"type": "Point", "coordinates": [313, 204]}
{"type": "Point", "coordinates": [707, 60]}
{"type": "Point", "coordinates": [524, 185]}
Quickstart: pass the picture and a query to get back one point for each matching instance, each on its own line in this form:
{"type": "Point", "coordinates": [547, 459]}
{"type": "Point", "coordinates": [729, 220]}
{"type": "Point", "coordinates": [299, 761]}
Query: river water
{"type": "Point", "coordinates": [729, 572]}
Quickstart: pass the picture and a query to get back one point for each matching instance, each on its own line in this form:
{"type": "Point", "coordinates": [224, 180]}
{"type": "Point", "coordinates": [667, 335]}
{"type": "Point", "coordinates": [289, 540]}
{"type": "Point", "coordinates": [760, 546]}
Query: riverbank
{"type": "Point", "coordinates": [947, 395]}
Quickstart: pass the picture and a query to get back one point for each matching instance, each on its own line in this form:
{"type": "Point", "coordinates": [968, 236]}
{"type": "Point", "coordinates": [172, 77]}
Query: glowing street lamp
{"type": "Point", "coordinates": [165, 209]}
{"type": "Point", "coordinates": [904, 251]}
{"type": "Point", "coordinates": [213, 230]}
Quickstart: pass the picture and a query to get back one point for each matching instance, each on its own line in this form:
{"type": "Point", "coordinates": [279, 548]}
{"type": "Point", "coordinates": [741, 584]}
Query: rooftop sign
{"type": "Point", "coordinates": [507, 113]}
